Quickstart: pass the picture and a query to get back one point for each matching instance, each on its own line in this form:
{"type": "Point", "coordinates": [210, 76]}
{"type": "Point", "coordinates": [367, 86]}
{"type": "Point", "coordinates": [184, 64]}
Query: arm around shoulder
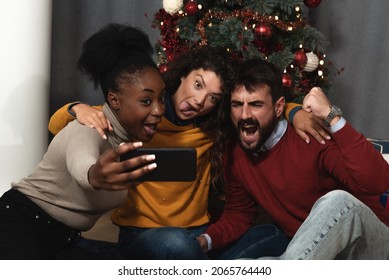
{"type": "Point", "coordinates": [290, 110]}
{"type": "Point", "coordinates": [60, 119]}
{"type": "Point", "coordinates": [66, 114]}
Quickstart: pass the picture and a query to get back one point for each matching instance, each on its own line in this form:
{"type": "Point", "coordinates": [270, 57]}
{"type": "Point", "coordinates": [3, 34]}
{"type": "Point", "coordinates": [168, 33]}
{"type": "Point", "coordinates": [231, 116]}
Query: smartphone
{"type": "Point", "coordinates": [173, 164]}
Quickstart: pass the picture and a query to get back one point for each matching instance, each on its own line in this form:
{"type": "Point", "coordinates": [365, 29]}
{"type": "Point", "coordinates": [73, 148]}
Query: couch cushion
{"type": "Point", "coordinates": [383, 147]}
{"type": "Point", "coordinates": [386, 157]}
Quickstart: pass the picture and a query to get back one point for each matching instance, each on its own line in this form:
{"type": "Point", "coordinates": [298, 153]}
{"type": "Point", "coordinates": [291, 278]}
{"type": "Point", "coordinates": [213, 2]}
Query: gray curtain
{"type": "Point", "coordinates": [359, 38]}
{"type": "Point", "coordinates": [73, 22]}
{"type": "Point", "coordinates": [356, 30]}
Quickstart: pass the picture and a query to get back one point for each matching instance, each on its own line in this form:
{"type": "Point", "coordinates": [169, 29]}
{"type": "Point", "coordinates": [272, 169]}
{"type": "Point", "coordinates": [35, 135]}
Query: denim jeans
{"type": "Point", "coordinates": [260, 240]}
{"type": "Point", "coordinates": [339, 226]}
{"type": "Point", "coordinates": [178, 243]}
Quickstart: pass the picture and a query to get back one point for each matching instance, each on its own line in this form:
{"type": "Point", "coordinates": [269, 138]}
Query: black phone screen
{"type": "Point", "coordinates": [173, 164]}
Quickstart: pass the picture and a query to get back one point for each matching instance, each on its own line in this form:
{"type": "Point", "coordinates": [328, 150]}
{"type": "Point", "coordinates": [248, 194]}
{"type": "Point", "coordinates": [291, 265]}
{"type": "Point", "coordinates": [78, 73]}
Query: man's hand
{"type": "Point", "coordinates": [203, 243]}
{"type": "Point", "coordinates": [317, 103]}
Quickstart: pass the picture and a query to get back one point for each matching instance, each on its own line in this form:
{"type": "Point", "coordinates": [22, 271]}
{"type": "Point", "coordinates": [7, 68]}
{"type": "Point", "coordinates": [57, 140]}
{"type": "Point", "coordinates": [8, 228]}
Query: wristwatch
{"type": "Point", "coordinates": [335, 111]}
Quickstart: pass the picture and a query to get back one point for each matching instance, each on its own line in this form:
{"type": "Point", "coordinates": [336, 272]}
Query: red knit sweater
{"type": "Point", "coordinates": [288, 179]}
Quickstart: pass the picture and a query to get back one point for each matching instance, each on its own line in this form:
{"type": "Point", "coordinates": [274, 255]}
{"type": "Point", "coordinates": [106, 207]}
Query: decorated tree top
{"type": "Point", "coordinates": [273, 30]}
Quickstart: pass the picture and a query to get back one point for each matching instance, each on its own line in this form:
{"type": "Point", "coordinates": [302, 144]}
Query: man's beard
{"type": "Point", "coordinates": [264, 133]}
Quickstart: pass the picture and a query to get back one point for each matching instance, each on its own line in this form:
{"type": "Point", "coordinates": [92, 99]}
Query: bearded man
{"type": "Point", "coordinates": [325, 198]}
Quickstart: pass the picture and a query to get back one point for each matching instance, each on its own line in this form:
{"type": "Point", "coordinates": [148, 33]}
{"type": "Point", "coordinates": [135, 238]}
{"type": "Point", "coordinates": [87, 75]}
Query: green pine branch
{"type": "Point", "coordinates": [231, 24]}
{"type": "Point", "coordinates": [282, 59]}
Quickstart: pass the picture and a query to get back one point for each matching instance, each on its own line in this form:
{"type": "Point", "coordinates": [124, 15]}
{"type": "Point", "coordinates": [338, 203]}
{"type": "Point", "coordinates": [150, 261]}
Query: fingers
{"type": "Point", "coordinates": [112, 174]}
{"type": "Point", "coordinates": [124, 180]}
{"type": "Point", "coordinates": [203, 243]}
{"type": "Point", "coordinates": [127, 147]}
{"type": "Point", "coordinates": [92, 117]}
{"type": "Point", "coordinates": [303, 136]}
{"type": "Point", "coordinates": [317, 103]}
{"type": "Point", "coordinates": [317, 132]}
{"type": "Point", "coordinates": [317, 135]}
{"type": "Point", "coordinates": [320, 135]}
{"type": "Point", "coordinates": [307, 125]}
{"type": "Point", "coordinates": [110, 127]}
{"type": "Point", "coordinates": [132, 178]}
{"type": "Point", "coordinates": [98, 121]}
{"type": "Point", "coordinates": [143, 160]}
{"type": "Point", "coordinates": [139, 165]}
{"type": "Point", "coordinates": [113, 155]}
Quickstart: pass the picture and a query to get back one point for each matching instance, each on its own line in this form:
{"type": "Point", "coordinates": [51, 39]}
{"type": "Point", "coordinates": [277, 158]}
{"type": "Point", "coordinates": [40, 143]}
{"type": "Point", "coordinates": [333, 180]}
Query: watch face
{"type": "Point", "coordinates": [335, 111]}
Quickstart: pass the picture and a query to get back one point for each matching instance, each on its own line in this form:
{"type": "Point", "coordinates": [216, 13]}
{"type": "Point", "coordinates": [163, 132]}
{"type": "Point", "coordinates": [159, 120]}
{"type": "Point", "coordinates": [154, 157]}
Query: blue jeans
{"type": "Point", "coordinates": [339, 226]}
{"type": "Point", "coordinates": [178, 243]}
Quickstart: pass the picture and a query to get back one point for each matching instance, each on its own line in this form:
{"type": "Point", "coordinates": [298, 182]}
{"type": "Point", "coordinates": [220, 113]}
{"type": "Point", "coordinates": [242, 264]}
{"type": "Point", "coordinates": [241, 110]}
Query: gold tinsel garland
{"type": "Point", "coordinates": [246, 16]}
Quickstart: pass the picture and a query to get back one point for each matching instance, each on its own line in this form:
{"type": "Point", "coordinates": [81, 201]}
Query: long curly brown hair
{"type": "Point", "coordinates": [219, 61]}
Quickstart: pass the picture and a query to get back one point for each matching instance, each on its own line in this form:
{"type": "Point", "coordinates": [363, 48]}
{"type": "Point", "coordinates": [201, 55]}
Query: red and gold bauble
{"type": "Point", "coordinates": [312, 3]}
{"type": "Point", "coordinates": [263, 30]}
{"type": "Point", "coordinates": [191, 8]}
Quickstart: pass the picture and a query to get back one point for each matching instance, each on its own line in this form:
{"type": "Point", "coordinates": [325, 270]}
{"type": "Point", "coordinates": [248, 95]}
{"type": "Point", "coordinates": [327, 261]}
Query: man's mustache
{"type": "Point", "coordinates": [254, 122]}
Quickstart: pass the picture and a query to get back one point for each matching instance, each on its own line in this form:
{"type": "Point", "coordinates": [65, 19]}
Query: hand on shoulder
{"type": "Point", "coordinates": [92, 117]}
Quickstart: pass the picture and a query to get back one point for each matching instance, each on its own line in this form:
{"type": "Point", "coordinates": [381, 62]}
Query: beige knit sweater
{"type": "Point", "coordinates": [59, 184]}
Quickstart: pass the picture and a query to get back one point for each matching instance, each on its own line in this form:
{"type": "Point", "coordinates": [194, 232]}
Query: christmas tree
{"type": "Point", "coordinates": [273, 30]}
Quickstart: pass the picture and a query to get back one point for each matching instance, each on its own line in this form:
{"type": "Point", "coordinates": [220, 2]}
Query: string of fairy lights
{"type": "Point", "coordinates": [304, 69]}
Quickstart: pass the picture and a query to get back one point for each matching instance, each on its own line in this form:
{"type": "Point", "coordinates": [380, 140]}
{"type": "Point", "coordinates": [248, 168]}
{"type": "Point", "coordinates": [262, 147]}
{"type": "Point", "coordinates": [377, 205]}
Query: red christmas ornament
{"type": "Point", "coordinates": [191, 8]}
{"type": "Point", "coordinates": [300, 58]}
{"type": "Point", "coordinates": [263, 30]}
{"type": "Point", "coordinates": [286, 80]}
{"type": "Point", "coordinates": [163, 68]}
{"type": "Point", "coordinates": [312, 3]}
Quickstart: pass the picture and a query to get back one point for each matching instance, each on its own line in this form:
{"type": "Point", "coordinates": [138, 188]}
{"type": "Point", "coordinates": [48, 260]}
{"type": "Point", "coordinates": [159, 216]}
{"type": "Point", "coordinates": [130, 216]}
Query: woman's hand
{"type": "Point", "coordinates": [111, 174]}
{"type": "Point", "coordinates": [93, 118]}
{"type": "Point", "coordinates": [306, 123]}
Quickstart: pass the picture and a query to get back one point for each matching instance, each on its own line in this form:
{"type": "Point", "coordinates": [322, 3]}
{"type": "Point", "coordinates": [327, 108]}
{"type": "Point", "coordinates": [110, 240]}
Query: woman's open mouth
{"type": "Point", "coordinates": [150, 129]}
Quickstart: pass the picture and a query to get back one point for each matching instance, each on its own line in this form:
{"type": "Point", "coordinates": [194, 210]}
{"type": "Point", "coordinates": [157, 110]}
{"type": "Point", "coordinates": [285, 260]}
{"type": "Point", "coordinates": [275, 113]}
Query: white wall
{"type": "Point", "coordinates": [25, 27]}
